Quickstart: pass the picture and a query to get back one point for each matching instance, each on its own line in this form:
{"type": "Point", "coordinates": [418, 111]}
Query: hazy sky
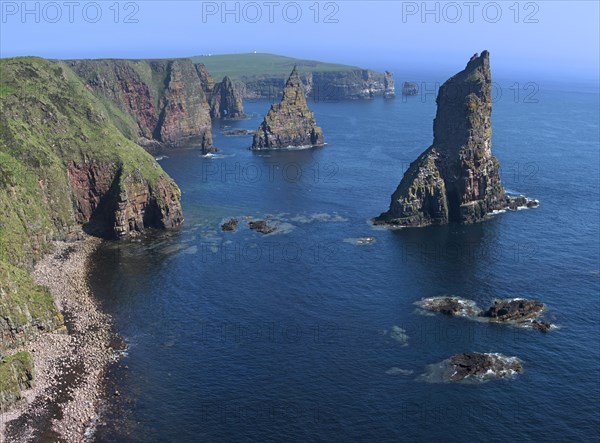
{"type": "Point", "coordinates": [558, 39]}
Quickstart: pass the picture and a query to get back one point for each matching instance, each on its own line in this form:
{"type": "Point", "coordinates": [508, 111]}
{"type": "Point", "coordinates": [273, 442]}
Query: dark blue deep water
{"type": "Point", "coordinates": [286, 337]}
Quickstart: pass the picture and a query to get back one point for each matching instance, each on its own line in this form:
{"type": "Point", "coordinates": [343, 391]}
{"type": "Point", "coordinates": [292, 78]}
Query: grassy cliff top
{"type": "Point", "coordinates": [237, 66]}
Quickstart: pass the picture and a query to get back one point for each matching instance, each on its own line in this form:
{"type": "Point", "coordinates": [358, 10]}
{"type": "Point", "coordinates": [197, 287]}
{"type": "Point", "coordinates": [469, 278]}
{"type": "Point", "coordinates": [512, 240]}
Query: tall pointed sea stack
{"type": "Point", "coordinates": [456, 179]}
{"type": "Point", "coordinates": [289, 123]}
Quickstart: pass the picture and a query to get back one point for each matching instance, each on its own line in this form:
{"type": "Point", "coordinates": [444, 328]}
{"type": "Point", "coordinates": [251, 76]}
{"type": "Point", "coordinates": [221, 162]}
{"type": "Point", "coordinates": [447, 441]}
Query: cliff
{"type": "Point", "coordinates": [159, 103]}
{"type": "Point", "coordinates": [206, 79]}
{"type": "Point", "coordinates": [260, 75]}
{"type": "Point", "coordinates": [226, 101]}
{"type": "Point", "coordinates": [289, 123]}
{"type": "Point", "coordinates": [456, 179]}
{"type": "Point", "coordinates": [64, 166]}
{"type": "Point", "coordinates": [358, 84]}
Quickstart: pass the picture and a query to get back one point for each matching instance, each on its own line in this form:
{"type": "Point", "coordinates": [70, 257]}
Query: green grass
{"type": "Point", "coordinates": [21, 301]}
{"type": "Point", "coordinates": [250, 65]}
{"type": "Point", "coordinates": [15, 372]}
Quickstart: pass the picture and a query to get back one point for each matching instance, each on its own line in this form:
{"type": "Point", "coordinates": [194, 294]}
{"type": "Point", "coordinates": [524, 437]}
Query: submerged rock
{"type": "Point", "coordinates": [399, 371]}
{"type": "Point", "coordinates": [457, 178]}
{"type": "Point", "coordinates": [230, 225]}
{"type": "Point", "coordinates": [400, 335]}
{"type": "Point", "coordinates": [543, 326]}
{"type": "Point", "coordinates": [261, 226]}
{"type": "Point", "coordinates": [238, 131]}
{"type": "Point", "coordinates": [289, 123]}
{"type": "Point", "coordinates": [453, 306]}
{"type": "Point", "coordinates": [483, 366]}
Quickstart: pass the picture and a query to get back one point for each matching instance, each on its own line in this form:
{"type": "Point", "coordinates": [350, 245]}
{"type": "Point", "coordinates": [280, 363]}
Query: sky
{"type": "Point", "coordinates": [557, 40]}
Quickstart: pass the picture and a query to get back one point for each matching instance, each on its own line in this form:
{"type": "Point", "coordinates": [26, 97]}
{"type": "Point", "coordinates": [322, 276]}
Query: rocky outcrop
{"type": "Point", "coordinates": [410, 88]}
{"type": "Point", "coordinates": [289, 123]}
{"type": "Point", "coordinates": [483, 366]}
{"type": "Point", "coordinates": [226, 101]}
{"type": "Point", "coordinates": [261, 226]}
{"type": "Point", "coordinates": [230, 225]}
{"type": "Point", "coordinates": [516, 309]}
{"type": "Point", "coordinates": [456, 179]}
{"type": "Point", "coordinates": [388, 84]}
{"type": "Point", "coordinates": [161, 103]}
{"type": "Point", "coordinates": [518, 312]}
{"type": "Point", "coordinates": [452, 306]}
{"type": "Point", "coordinates": [111, 203]}
{"type": "Point", "coordinates": [16, 373]}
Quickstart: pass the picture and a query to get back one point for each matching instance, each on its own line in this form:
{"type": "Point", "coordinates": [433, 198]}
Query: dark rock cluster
{"type": "Point", "coordinates": [479, 365]}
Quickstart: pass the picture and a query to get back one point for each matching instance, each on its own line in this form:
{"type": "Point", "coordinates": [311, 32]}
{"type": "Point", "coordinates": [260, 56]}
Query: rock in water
{"type": "Point", "coordinates": [230, 225]}
{"type": "Point", "coordinates": [452, 306]}
{"type": "Point", "coordinates": [518, 309]}
{"type": "Point", "coordinates": [484, 366]}
{"type": "Point", "coordinates": [456, 179]}
{"type": "Point", "coordinates": [289, 123]}
{"type": "Point", "coordinates": [225, 101]}
{"type": "Point", "coordinates": [261, 226]}
{"type": "Point", "coordinates": [410, 88]}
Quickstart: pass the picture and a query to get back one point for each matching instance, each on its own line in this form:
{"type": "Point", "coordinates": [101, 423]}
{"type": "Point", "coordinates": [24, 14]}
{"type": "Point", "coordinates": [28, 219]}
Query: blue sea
{"type": "Point", "coordinates": [293, 336]}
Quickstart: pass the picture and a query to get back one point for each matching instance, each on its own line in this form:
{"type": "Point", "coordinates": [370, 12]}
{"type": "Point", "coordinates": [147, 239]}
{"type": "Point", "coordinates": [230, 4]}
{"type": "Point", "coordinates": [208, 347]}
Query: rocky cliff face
{"type": "Point", "coordinates": [457, 178]}
{"type": "Point", "coordinates": [162, 102]}
{"type": "Point", "coordinates": [112, 204]}
{"type": "Point", "coordinates": [358, 84]}
{"type": "Point", "coordinates": [185, 112]}
{"type": "Point", "coordinates": [206, 79]}
{"type": "Point", "coordinates": [226, 101]}
{"type": "Point", "coordinates": [289, 123]}
{"type": "Point", "coordinates": [65, 166]}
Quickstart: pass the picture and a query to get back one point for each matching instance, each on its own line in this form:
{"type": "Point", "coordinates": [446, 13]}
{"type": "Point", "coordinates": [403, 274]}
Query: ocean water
{"type": "Point", "coordinates": [307, 335]}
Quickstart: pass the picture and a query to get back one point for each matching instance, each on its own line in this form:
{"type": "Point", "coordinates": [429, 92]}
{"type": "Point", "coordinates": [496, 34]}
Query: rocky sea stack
{"type": "Point", "coordinates": [225, 101]}
{"type": "Point", "coordinates": [456, 179]}
{"type": "Point", "coordinates": [289, 123]}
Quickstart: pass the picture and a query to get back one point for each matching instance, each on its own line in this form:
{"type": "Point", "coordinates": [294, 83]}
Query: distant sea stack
{"type": "Point", "coordinates": [410, 88]}
{"type": "Point", "coordinates": [225, 101]}
{"type": "Point", "coordinates": [289, 123]}
{"type": "Point", "coordinates": [456, 179]}
{"type": "Point", "coordinates": [388, 82]}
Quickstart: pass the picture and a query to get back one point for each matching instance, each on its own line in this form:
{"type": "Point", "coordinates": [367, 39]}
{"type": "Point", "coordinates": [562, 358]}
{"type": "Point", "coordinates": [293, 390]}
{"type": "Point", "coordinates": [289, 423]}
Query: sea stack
{"type": "Point", "coordinates": [289, 123]}
{"type": "Point", "coordinates": [225, 101]}
{"type": "Point", "coordinates": [388, 84]}
{"type": "Point", "coordinates": [410, 88]}
{"type": "Point", "coordinates": [456, 179]}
